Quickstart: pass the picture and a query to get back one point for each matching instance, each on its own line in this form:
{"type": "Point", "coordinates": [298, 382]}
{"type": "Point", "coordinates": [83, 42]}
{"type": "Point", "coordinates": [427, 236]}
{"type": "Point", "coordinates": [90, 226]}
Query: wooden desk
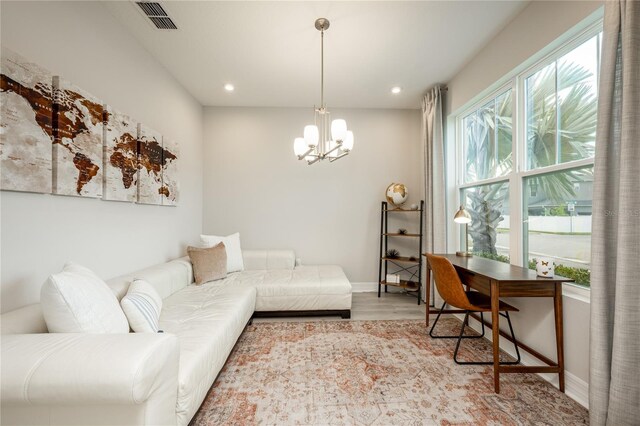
{"type": "Point", "coordinates": [498, 279]}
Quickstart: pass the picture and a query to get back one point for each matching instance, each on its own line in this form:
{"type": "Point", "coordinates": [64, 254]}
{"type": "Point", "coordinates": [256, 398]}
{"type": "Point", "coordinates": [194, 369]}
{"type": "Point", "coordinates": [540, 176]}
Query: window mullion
{"type": "Point", "coordinates": [519, 143]}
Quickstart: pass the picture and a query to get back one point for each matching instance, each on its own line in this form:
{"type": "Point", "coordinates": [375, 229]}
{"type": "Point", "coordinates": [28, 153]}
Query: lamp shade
{"type": "Point", "coordinates": [462, 216]}
{"type": "Point", "coordinates": [347, 144]}
{"type": "Point", "coordinates": [311, 135]}
{"type": "Point", "coordinates": [338, 130]}
{"type": "Point", "coordinates": [299, 146]}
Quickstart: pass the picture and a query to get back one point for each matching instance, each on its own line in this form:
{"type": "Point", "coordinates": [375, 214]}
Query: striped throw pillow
{"type": "Point", "coordinates": [142, 305]}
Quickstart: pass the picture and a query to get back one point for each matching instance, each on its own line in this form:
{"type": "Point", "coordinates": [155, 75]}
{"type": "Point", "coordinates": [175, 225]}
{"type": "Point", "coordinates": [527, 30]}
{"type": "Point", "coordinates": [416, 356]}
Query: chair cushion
{"type": "Point", "coordinates": [483, 302]}
{"type": "Point", "coordinates": [142, 306]}
{"type": "Point", "coordinates": [77, 301]}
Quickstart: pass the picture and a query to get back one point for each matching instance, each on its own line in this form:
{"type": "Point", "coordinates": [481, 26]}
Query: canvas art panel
{"type": "Point", "coordinates": [170, 187]}
{"type": "Point", "coordinates": [120, 156]}
{"type": "Point", "coordinates": [77, 147]}
{"type": "Point", "coordinates": [150, 157]}
{"type": "Point", "coordinates": [26, 130]}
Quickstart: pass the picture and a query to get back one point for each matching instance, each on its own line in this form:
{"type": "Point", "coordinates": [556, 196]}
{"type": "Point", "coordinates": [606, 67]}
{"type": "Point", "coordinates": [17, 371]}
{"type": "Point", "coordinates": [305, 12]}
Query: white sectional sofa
{"type": "Point", "coordinates": [154, 379]}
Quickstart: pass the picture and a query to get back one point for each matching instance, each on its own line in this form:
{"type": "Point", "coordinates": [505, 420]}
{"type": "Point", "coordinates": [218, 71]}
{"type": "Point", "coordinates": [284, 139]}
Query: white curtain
{"type": "Point", "coordinates": [614, 382]}
{"type": "Point", "coordinates": [434, 186]}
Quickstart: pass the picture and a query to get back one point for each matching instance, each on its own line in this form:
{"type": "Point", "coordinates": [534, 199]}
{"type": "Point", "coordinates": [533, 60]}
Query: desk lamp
{"type": "Point", "coordinates": [463, 217]}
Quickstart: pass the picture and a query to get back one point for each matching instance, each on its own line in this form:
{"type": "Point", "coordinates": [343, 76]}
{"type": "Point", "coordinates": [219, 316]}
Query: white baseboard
{"type": "Point", "coordinates": [575, 388]}
{"type": "Point", "coordinates": [364, 287]}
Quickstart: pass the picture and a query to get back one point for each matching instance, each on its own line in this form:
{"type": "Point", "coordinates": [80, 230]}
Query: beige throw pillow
{"type": "Point", "coordinates": [209, 264]}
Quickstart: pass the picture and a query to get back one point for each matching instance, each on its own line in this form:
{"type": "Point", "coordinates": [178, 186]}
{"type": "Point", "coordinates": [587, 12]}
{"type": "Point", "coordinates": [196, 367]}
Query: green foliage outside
{"type": "Point", "coordinates": [558, 211]}
{"type": "Point", "coordinates": [492, 256]}
{"type": "Point", "coordinates": [579, 275]}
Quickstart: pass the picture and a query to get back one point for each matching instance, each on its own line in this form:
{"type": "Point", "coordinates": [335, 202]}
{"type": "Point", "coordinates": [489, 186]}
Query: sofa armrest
{"type": "Point", "coordinates": [268, 259]}
{"type": "Point", "coordinates": [60, 368]}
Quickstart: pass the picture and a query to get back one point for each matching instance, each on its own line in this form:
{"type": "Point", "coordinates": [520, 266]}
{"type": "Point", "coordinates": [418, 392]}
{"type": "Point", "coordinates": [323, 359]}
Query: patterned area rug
{"type": "Point", "coordinates": [372, 373]}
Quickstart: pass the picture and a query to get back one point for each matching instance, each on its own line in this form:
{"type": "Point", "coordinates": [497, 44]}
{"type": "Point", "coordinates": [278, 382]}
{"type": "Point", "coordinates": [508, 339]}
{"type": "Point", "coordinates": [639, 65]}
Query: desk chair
{"type": "Point", "coordinates": [452, 291]}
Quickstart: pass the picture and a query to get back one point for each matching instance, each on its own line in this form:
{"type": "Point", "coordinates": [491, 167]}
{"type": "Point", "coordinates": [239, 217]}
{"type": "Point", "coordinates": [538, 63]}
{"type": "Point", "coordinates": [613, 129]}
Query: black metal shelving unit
{"type": "Point", "coordinates": [406, 265]}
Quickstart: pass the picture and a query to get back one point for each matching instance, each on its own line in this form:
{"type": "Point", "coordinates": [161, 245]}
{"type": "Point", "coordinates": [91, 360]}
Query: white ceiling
{"type": "Point", "coordinates": [270, 51]}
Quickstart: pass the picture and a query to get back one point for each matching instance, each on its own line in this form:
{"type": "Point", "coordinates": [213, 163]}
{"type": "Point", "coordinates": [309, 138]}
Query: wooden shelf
{"type": "Point", "coordinates": [407, 267]}
{"type": "Point", "coordinates": [401, 259]}
{"type": "Point", "coordinates": [407, 285]}
{"type": "Point", "coordinates": [402, 210]}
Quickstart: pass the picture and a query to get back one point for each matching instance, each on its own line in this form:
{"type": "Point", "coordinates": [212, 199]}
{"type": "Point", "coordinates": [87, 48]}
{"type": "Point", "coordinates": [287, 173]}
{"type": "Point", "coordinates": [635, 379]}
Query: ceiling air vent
{"type": "Point", "coordinates": [156, 13]}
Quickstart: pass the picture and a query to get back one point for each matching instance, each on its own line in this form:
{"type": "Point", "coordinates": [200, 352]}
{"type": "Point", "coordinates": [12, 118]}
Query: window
{"type": "Point", "coordinates": [526, 172]}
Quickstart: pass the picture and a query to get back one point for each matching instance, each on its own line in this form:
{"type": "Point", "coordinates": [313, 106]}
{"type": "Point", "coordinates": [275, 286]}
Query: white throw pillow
{"type": "Point", "coordinates": [77, 301]}
{"type": "Point", "coordinates": [142, 305]}
{"type": "Point", "coordinates": [232, 245]}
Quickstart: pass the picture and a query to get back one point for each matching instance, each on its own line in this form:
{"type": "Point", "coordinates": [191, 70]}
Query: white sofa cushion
{"type": "Point", "coordinates": [142, 306]}
{"type": "Point", "coordinates": [316, 287]}
{"type": "Point", "coordinates": [232, 246]}
{"type": "Point", "coordinates": [166, 278]}
{"type": "Point", "coordinates": [77, 301]}
{"type": "Point", "coordinates": [207, 319]}
{"type": "Point", "coordinates": [268, 259]}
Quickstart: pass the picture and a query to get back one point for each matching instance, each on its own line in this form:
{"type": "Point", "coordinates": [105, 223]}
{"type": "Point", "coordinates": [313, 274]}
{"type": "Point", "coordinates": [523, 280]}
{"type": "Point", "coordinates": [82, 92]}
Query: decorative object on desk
{"type": "Point", "coordinates": [392, 254]}
{"type": "Point", "coordinates": [463, 217]}
{"type": "Point", "coordinates": [317, 144]}
{"type": "Point", "coordinates": [393, 279]}
{"type": "Point", "coordinates": [545, 267]}
{"type": "Point", "coordinates": [402, 231]}
{"type": "Point", "coordinates": [413, 207]}
{"type": "Point", "coordinates": [397, 194]}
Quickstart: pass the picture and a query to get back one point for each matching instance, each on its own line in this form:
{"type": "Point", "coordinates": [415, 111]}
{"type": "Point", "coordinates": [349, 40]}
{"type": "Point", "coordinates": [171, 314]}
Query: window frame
{"type": "Point", "coordinates": [515, 81]}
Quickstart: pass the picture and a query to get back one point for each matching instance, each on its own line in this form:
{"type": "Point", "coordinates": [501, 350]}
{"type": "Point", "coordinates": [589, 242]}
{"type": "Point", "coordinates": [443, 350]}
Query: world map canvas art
{"type": "Point", "coordinates": [150, 157]}
{"type": "Point", "coordinates": [170, 187]}
{"type": "Point", "coordinates": [120, 156]}
{"type": "Point", "coordinates": [25, 125]}
{"type": "Point", "coordinates": [57, 138]}
{"type": "Point", "coordinates": [77, 147]}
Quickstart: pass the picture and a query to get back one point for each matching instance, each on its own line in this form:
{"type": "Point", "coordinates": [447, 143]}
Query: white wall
{"type": "Point", "coordinates": [82, 42]}
{"type": "Point", "coordinates": [327, 212]}
{"type": "Point", "coordinates": [538, 25]}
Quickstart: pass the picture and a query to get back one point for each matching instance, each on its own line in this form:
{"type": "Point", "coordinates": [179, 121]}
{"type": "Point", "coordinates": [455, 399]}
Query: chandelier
{"type": "Point", "coordinates": [321, 141]}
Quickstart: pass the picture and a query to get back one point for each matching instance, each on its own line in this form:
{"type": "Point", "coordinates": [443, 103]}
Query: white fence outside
{"type": "Point", "coordinates": [561, 224]}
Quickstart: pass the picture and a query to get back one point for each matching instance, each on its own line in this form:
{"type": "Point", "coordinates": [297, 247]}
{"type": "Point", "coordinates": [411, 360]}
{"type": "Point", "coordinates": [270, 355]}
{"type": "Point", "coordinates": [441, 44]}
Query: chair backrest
{"type": "Point", "coordinates": [448, 282]}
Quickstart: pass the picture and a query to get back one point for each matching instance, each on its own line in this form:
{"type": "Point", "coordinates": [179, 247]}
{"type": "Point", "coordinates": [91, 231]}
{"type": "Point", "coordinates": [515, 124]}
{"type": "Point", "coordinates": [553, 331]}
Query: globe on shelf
{"type": "Point", "coordinates": [397, 194]}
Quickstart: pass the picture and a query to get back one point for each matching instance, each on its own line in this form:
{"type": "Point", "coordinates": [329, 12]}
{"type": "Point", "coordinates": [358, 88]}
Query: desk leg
{"type": "Point", "coordinates": [428, 283]}
{"type": "Point", "coordinates": [557, 308]}
{"type": "Point", "coordinates": [495, 327]}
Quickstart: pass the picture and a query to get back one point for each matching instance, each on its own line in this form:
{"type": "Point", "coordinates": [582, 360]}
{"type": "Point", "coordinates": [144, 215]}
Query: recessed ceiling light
{"type": "Point", "coordinates": [395, 90]}
{"type": "Point", "coordinates": [229, 87]}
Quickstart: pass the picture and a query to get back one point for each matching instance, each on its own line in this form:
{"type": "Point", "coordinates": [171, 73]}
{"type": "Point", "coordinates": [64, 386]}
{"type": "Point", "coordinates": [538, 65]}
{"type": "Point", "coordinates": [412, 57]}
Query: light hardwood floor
{"type": "Point", "coordinates": [367, 306]}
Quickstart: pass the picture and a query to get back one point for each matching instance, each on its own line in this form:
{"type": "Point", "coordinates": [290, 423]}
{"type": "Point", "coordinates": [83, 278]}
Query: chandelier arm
{"type": "Point", "coordinates": [331, 160]}
{"type": "Point", "coordinates": [301, 156]}
{"type": "Point", "coordinates": [338, 145]}
{"type": "Point", "coordinates": [313, 161]}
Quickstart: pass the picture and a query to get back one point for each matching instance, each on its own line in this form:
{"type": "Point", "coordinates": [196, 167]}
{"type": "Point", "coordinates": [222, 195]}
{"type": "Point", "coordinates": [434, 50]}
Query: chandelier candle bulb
{"type": "Point", "coordinates": [338, 130]}
{"type": "Point", "coordinates": [311, 135]}
{"type": "Point", "coordinates": [300, 147]}
{"type": "Point", "coordinates": [347, 144]}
